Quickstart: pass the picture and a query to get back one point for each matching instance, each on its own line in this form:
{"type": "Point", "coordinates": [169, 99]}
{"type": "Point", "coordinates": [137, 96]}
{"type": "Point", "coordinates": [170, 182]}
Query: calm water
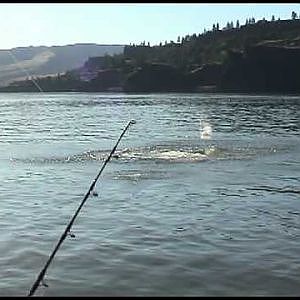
{"type": "Point", "coordinates": [203, 197]}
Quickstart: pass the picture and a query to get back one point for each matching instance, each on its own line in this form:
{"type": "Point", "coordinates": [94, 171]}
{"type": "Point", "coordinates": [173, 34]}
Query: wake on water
{"type": "Point", "coordinates": [158, 153]}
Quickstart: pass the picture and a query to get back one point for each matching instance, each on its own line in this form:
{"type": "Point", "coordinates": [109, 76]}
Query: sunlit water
{"type": "Point", "coordinates": [201, 198]}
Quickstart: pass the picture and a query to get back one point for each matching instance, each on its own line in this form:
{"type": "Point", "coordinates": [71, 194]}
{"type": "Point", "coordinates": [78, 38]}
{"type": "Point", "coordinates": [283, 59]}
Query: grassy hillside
{"type": "Point", "coordinates": [38, 61]}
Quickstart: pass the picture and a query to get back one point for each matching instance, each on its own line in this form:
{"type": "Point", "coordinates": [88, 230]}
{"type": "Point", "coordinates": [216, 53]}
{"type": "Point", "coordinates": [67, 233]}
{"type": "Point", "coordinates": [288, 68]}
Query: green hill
{"type": "Point", "coordinates": [262, 56]}
{"type": "Point", "coordinates": [38, 61]}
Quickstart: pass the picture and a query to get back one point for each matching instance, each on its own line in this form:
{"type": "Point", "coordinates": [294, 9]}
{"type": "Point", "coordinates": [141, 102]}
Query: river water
{"type": "Point", "coordinates": [201, 199]}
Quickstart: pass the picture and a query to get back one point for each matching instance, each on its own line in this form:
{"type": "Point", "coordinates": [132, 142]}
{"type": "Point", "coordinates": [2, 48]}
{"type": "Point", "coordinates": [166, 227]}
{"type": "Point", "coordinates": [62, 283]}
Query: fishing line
{"type": "Point", "coordinates": [40, 278]}
{"type": "Point", "coordinates": [24, 70]}
{"type": "Point", "coordinates": [68, 228]}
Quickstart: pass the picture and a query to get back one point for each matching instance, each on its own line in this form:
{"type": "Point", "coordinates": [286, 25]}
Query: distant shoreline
{"type": "Point", "coordinates": [154, 92]}
{"type": "Point", "coordinates": [259, 58]}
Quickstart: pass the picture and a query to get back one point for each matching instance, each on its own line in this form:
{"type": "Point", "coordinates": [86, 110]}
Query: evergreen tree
{"type": "Point", "coordinates": [237, 24]}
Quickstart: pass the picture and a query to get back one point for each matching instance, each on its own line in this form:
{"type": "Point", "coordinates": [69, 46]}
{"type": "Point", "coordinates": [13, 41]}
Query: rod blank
{"type": "Point", "coordinates": [68, 228]}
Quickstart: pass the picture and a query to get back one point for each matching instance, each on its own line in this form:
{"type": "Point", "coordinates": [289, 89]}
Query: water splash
{"type": "Point", "coordinates": [156, 153]}
{"type": "Point", "coordinates": [205, 130]}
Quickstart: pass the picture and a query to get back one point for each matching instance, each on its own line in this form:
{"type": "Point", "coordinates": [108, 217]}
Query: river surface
{"type": "Point", "coordinates": [201, 199]}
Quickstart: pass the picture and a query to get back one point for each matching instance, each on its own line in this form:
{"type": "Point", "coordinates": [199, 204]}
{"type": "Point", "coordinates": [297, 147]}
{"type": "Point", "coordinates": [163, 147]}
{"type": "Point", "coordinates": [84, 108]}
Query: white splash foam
{"type": "Point", "coordinates": [179, 155]}
{"type": "Point", "coordinates": [168, 155]}
{"type": "Point", "coordinates": [206, 130]}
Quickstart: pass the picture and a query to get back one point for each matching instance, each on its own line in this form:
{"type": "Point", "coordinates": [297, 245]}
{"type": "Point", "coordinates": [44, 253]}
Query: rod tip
{"type": "Point", "coordinates": [132, 122]}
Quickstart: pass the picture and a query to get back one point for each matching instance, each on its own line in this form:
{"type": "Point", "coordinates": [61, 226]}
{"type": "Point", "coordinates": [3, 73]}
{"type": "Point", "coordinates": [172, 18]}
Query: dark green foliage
{"type": "Point", "coordinates": [210, 46]}
{"type": "Point", "coordinates": [263, 69]}
{"type": "Point", "coordinates": [59, 83]}
{"type": "Point", "coordinates": [104, 81]}
{"type": "Point", "coordinates": [240, 58]}
{"type": "Point", "coordinates": [156, 78]}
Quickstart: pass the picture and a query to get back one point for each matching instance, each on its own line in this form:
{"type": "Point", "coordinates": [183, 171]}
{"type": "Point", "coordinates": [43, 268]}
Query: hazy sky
{"type": "Point", "coordinates": [60, 24]}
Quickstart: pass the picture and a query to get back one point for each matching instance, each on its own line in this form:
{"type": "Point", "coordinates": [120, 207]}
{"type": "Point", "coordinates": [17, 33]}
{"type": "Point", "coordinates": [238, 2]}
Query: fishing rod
{"type": "Point", "coordinates": [68, 228]}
